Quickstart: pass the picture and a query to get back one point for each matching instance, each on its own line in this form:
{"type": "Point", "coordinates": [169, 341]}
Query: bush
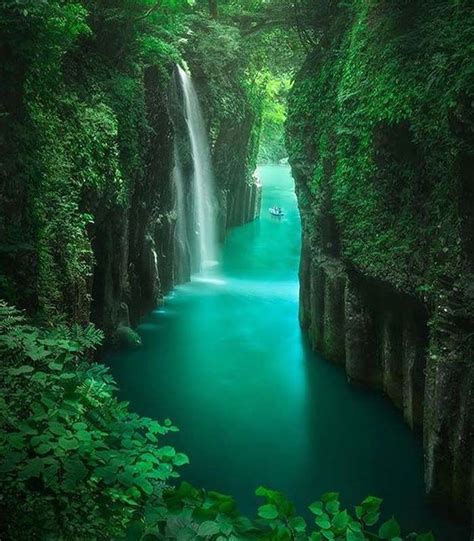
{"type": "Point", "coordinates": [75, 463]}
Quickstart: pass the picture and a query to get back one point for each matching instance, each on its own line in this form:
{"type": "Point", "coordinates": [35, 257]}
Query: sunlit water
{"type": "Point", "coordinates": [226, 360]}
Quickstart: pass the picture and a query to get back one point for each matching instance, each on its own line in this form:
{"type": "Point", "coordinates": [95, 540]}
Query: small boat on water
{"type": "Point", "coordinates": [276, 211]}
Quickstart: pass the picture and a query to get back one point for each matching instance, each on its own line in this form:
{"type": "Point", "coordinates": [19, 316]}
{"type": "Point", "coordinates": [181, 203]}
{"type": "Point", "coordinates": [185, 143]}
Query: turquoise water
{"type": "Point", "coordinates": [225, 359]}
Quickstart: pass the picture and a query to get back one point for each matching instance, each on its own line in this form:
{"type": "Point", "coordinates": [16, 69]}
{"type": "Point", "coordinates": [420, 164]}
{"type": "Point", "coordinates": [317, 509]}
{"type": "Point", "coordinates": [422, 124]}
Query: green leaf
{"type": "Point", "coordinates": [425, 537]}
{"type": "Point", "coordinates": [55, 366]}
{"type": "Point", "coordinates": [341, 520]}
{"type": "Point", "coordinates": [27, 429]}
{"type": "Point", "coordinates": [298, 524]}
{"type": "Point", "coordinates": [49, 474]}
{"type": "Point", "coordinates": [354, 536]}
{"type": "Point", "coordinates": [33, 468]}
{"type": "Point", "coordinates": [323, 521]}
{"type": "Point", "coordinates": [107, 473]}
{"type": "Point", "coordinates": [16, 441]}
{"type": "Point", "coordinates": [84, 436]}
{"type": "Point", "coordinates": [167, 451]}
{"type": "Point", "coordinates": [329, 496]}
{"type": "Point", "coordinates": [126, 478]}
{"type": "Point", "coordinates": [67, 376]}
{"type": "Point", "coordinates": [372, 503]}
{"type": "Point", "coordinates": [226, 526]}
{"type": "Point", "coordinates": [68, 443]}
{"type": "Point", "coordinates": [333, 507]}
{"type": "Point", "coordinates": [261, 491]}
{"type": "Point", "coordinates": [268, 511]}
{"type": "Point", "coordinates": [186, 534]}
{"type": "Point", "coordinates": [43, 448]}
{"type": "Point", "coordinates": [208, 527]}
{"type": "Point", "coordinates": [389, 529]}
{"type": "Point", "coordinates": [316, 508]}
{"type": "Point", "coordinates": [25, 369]}
{"type": "Point", "coordinates": [145, 485]}
{"type": "Point", "coordinates": [36, 440]}
{"type": "Point", "coordinates": [75, 472]}
{"type": "Point", "coordinates": [355, 526]}
{"type": "Point", "coordinates": [37, 353]}
{"type": "Point", "coordinates": [371, 518]}
{"type": "Point", "coordinates": [180, 459]}
{"type": "Point", "coordinates": [56, 428]}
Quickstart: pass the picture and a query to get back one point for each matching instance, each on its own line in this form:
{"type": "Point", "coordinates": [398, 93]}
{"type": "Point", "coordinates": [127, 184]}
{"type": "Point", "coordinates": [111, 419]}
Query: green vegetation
{"type": "Point", "coordinates": [74, 132]}
{"type": "Point", "coordinates": [272, 138]}
{"type": "Point", "coordinates": [380, 134]}
{"type": "Point", "coordinates": [77, 80]}
{"type": "Point", "coordinates": [75, 463]}
{"type": "Point", "coordinates": [384, 122]}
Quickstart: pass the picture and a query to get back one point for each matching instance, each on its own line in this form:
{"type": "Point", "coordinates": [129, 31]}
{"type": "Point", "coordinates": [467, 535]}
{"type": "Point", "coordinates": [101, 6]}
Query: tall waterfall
{"type": "Point", "coordinates": [181, 232]}
{"type": "Point", "coordinates": [203, 199]}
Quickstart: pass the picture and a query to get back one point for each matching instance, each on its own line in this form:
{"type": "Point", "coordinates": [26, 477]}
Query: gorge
{"type": "Point", "coordinates": [142, 146]}
{"type": "Point", "coordinates": [228, 343]}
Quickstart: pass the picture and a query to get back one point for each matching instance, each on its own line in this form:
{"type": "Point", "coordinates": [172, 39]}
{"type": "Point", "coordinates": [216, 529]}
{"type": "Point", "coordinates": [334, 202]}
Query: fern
{"type": "Point", "coordinates": [10, 317]}
{"type": "Point", "coordinates": [94, 394]}
{"type": "Point", "coordinates": [88, 337]}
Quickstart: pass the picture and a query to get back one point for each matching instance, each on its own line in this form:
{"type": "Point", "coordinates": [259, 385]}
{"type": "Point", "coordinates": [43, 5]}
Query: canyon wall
{"type": "Point", "coordinates": [87, 167]}
{"type": "Point", "coordinates": [381, 143]}
{"type": "Point", "coordinates": [87, 160]}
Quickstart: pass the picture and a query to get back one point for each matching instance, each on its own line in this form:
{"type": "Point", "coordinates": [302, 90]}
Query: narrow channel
{"type": "Point", "coordinates": [226, 360]}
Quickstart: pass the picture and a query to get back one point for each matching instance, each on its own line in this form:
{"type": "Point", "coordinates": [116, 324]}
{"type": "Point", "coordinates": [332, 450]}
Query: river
{"type": "Point", "coordinates": [226, 360]}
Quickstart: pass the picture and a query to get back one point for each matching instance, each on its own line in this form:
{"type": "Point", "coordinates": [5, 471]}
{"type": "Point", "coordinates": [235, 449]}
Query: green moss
{"type": "Point", "coordinates": [125, 337]}
{"type": "Point", "coordinates": [379, 104]}
{"type": "Point", "coordinates": [76, 138]}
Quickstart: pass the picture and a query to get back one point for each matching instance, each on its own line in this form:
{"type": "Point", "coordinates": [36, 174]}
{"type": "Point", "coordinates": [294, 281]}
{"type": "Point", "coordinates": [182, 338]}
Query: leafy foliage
{"type": "Point", "coordinates": [74, 126]}
{"type": "Point", "coordinates": [74, 460]}
{"type": "Point", "coordinates": [378, 110]}
{"type": "Point", "coordinates": [272, 139]}
{"type": "Point", "coordinates": [189, 513]}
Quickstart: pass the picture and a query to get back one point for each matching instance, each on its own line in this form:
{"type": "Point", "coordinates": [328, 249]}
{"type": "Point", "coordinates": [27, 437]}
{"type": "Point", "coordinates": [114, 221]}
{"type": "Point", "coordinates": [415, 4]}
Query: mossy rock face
{"type": "Point", "coordinates": [126, 338]}
{"type": "Point", "coordinates": [383, 123]}
{"type": "Point", "coordinates": [380, 137]}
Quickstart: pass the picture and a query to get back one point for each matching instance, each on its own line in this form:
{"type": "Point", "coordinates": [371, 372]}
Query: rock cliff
{"type": "Point", "coordinates": [380, 136]}
{"type": "Point", "coordinates": [90, 184]}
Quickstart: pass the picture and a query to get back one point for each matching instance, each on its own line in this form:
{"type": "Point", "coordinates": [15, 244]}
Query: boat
{"type": "Point", "coordinates": [276, 211]}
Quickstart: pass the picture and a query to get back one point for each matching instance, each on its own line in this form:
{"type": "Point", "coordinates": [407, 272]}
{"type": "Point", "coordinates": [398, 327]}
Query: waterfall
{"type": "Point", "coordinates": [181, 232]}
{"type": "Point", "coordinates": [203, 207]}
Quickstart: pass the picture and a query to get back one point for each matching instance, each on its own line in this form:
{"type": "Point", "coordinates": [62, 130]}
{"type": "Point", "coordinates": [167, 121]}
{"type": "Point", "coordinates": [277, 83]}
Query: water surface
{"type": "Point", "coordinates": [225, 359]}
